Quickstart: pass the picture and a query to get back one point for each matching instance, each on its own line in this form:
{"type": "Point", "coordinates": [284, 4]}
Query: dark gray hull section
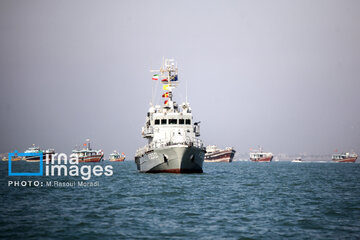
{"type": "Point", "coordinates": [172, 159]}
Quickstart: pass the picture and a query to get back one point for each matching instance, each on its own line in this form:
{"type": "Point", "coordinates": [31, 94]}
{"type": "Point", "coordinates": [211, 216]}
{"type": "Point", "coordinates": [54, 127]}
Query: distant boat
{"type": "Point", "coordinates": [87, 154]}
{"type": "Point", "coordinates": [15, 158]}
{"type": "Point", "coordinates": [45, 153]}
{"type": "Point", "coordinates": [261, 156]}
{"type": "Point", "coordinates": [214, 154]}
{"type": "Point", "coordinates": [344, 157]}
{"type": "Point", "coordinates": [298, 159]}
{"type": "Point", "coordinates": [116, 157]}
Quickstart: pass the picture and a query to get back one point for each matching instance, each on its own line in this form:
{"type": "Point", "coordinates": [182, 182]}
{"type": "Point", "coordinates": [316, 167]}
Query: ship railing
{"type": "Point", "coordinates": [191, 142]}
{"type": "Point", "coordinates": [147, 131]}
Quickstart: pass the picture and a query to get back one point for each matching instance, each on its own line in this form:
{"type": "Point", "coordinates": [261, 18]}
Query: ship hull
{"type": "Point", "coordinates": [12, 159]}
{"type": "Point", "coordinates": [172, 159]}
{"type": "Point", "coordinates": [93, 158]}
{"type": "Point", "coordinates": [37, 159]}
{"type": "Point", "coordinates": [117, 159]}
{"type": "Point", "coordinates": [222, 156]}
{"type": "Point", "coordinates": [265, 159]}
{"type": "Point", "coordinates": [34, 159]}
{"type": "Point", "coordinates": [349, 160]}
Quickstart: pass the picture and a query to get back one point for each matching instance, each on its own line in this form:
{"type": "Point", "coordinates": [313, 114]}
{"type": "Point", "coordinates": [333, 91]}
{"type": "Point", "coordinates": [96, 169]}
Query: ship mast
{"type": "Point", "coordinates": [168, 73]}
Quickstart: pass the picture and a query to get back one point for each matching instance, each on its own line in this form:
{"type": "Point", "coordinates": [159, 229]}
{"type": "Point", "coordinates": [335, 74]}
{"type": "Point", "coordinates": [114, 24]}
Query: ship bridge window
{"type": "Point", "coordinates": [172, 121]}
{"type": "Point", "coordinates": [157, 121]}
{"type": "Point", "coordinates": [181, 121]}
{"type": "Point", "coordinates": [188, 122]}
{"type": "Point", "coordinates": [163, 121]}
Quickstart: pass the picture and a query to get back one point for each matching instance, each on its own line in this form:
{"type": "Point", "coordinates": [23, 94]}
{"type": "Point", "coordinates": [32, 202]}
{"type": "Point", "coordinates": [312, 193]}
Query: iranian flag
{"type": "Point", "coordinates": [155, 77]}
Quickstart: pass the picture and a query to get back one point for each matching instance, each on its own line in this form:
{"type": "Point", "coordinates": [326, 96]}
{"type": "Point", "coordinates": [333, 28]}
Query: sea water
{"type": "Point", "coordinates": [239, 200]}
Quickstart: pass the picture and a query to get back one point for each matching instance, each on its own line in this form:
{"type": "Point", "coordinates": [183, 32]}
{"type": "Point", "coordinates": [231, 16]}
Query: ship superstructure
{"type": "Point", "coordinates": [172, 145]}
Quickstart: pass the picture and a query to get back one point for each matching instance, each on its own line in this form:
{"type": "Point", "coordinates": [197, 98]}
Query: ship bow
{"type": "Point", "coordinates": [179, 159]}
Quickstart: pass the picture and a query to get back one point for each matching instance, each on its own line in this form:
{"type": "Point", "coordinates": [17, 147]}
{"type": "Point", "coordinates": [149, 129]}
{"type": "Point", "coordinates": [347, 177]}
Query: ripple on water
{"type": "Point", "coordinates": [240, 200]}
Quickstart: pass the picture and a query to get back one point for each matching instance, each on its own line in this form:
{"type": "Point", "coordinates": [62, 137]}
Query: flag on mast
{"type": "Point", "coordinates": [175, 78]}
{"type": "Point", "coordinates": [165, 95]}
{"type": "Point", "coordinates": [166, 87]}
{"type": "Point", "coordinates": [155, 77]}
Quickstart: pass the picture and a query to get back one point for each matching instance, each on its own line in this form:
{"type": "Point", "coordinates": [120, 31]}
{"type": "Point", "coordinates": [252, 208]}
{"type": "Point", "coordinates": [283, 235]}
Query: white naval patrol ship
{"type": "Point", "coordinates": [172, 144]}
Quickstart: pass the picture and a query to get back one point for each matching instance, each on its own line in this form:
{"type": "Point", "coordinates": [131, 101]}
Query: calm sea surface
{"type": "Point", "coordinates": [240, 200]}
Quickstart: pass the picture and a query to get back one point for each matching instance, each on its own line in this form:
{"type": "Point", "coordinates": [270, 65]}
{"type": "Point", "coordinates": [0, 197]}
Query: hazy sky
{"type": "Point", "coordinates": [281, 74]}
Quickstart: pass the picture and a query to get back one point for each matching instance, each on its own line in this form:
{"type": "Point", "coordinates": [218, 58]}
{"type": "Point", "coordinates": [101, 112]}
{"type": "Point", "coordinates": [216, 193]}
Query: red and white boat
{"type": "Point", "coordinates": [261, 156]}
{"type": "Point", "coordinates": [344, 157]}
{"type": "Point", "coordinates": [87, 154]}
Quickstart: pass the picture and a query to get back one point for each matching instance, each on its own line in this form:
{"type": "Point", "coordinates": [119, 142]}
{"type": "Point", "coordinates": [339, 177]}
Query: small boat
{"type": "Point", "coordinates": [14, 158]}
{"type": "Point", "coordinates": [260, 156]}
{"type": "Point", "coordinates": [116, 157]}
{"type": "Point", "coordinates": [45, 153]}
{"type": "Point", "coordinates": [344, 157]}
{"type": "Point", "coordinates": [87, 154]}
{"type": "Point", "coordinates": [298, 159]}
